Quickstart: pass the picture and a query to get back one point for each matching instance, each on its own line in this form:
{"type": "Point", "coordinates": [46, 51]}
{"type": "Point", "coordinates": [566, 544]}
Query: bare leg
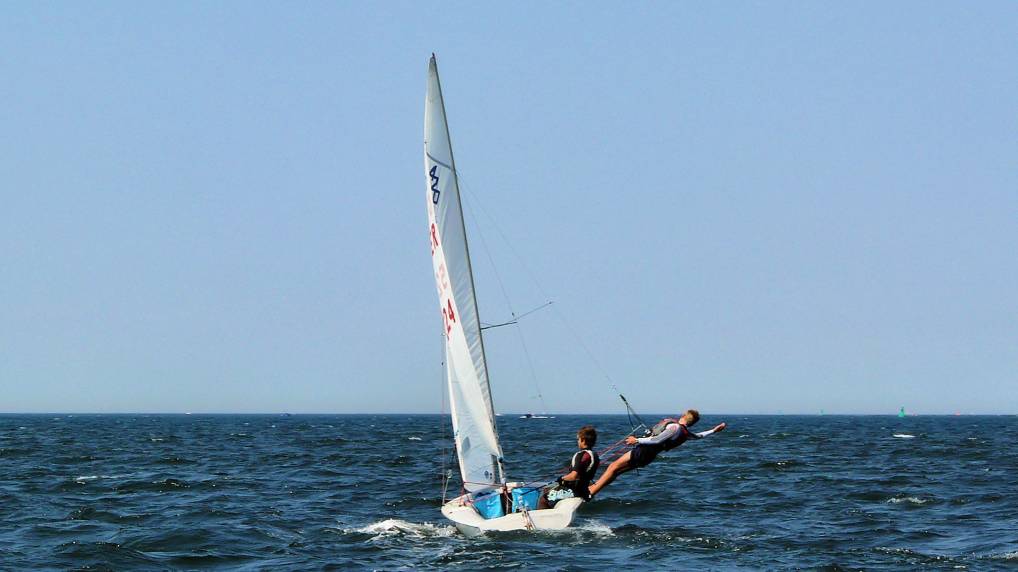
{"type": "Point", "coordinates": [619, 466]}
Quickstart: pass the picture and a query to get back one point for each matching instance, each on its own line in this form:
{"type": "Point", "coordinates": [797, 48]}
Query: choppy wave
{"type": "Point", "coordinates": [300, 492]}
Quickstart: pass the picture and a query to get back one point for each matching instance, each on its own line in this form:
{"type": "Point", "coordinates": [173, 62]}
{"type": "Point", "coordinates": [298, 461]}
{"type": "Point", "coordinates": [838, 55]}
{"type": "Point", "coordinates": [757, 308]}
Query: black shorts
{"type": "Point", "coordinates": [643, 455]}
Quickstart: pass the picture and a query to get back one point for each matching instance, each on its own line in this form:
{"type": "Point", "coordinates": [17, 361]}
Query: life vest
{"type": "Point", "coordinates": [583, 477]}
{"type": "Point", "coordinates": [574, 464]}
{"type": "Point", "coordinates": [659, 428]}
{"type": "Point", "coordinates": [675, 440]}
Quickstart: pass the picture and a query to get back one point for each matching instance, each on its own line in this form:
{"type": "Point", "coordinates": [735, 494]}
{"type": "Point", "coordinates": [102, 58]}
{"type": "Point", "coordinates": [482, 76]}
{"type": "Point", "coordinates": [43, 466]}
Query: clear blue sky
{"type": "Point", "coordinates": [743, 207]}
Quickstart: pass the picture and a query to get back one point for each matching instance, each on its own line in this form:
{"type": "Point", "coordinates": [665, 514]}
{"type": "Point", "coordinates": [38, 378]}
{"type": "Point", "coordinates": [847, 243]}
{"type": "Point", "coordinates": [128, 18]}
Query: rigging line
{"type": "Point", "coordinates": [505, 294]}
{"type": "Point", "coordinates": [446, 474]}
{"type": "Point", "coordinates": [537, 283]}
{"type": "Point", "coordinates": [529, 312]}
{"type": "Point", "coordinates": [487, 253]}
{"type": "Point", "coordinates": [530, 364]}
{"type": "Point", "coordinates": [517, 318]}
{"type": "Point", "coordinates": [631, 411]}
{"type": "Point", "coordinates": [540, 288]}
{"type": "Point", "coordinates": [490, 326]}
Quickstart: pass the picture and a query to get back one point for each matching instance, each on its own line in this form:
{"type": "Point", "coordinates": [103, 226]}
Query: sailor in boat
{"type": "Point", "coordinates": [582, 467]}
{"type": "Point", "coordinates": [665, 436]}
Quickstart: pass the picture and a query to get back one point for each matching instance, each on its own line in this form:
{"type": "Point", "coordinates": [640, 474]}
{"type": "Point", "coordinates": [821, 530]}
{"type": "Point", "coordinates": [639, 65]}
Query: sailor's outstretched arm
{"type": "Point", "coordinates": [716, 429]}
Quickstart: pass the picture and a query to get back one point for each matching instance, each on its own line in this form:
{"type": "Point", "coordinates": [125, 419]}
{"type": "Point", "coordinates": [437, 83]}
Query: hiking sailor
{"type": "Point", "coordinates": [665, 436]}
{"type": "Point", "coordinates": [582, 467]}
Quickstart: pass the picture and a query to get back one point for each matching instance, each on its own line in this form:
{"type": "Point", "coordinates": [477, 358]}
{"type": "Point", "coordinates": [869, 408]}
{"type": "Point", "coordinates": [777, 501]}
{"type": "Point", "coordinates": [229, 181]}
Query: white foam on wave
{"type": "Point", "coordinates": [904, 436]}
{"type": "Point", "coordinates": [1006, 556]}
{"type": "Point", "coordinates": [910, 500]}
{"type": "Point", "coordinates": [413, 438]}
{"type": "Point", "coordinates": [87, 478]}
{"type": "Point", "coordinates": [597, 527]}
{"type": "Point", "coordinates": [397, 527]}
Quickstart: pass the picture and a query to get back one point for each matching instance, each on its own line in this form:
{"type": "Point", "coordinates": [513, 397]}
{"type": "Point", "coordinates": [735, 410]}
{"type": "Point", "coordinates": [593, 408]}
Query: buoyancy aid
{"type": "Point", "coordinates": [661, 425]}
{"type": "Point", "coordinates": [574, 464]}
{"type": "Point", "coordinates": [675, 440]}
{"type": "Point", "coordinates": [583, 474]}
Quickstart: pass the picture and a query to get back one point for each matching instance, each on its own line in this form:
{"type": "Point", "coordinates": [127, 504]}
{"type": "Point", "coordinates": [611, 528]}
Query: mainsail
{"type": "Point", "coordinates": [473, 417]}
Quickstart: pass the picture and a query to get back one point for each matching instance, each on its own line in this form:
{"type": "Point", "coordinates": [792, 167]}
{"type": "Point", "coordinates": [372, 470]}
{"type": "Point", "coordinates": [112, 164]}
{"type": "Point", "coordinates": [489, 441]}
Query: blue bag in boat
{"type": "Point", "coordinates": [525, 497]}
{"type": "Point", "coordinates": [489, 504]}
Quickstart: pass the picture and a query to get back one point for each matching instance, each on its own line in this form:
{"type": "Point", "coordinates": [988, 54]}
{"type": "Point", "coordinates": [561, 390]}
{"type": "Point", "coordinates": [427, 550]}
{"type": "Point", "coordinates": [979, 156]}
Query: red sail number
{"type": "Point", "coordinates": [449, 317]}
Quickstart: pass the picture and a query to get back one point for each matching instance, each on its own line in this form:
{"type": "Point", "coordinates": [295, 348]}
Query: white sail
{"type": "Point", "coordinates": [473, 417]}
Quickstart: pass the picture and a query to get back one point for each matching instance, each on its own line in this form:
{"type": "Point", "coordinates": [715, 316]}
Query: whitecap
{"type": "Point", "coordinates": [413, 438]}
{"type": "Point", "coordinates": [597, 527]}
{"type": "Point", "coordinates": [86, 478]}
{"type": "Point", "coordinates": [1006, 556]}
{"type": "Point", "coordinates": [904, 436]}
{"type": "Point", "coordinates": [910, 500]}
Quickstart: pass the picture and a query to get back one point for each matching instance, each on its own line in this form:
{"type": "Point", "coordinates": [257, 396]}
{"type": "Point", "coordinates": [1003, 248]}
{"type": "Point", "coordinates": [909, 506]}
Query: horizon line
{"type": "Point", "coordinates": [773, 414]}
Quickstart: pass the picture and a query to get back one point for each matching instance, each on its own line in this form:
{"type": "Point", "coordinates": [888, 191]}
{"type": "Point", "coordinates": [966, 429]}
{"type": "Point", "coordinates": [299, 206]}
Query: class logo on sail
{"type": "Point", "coordinates": [435, 193]}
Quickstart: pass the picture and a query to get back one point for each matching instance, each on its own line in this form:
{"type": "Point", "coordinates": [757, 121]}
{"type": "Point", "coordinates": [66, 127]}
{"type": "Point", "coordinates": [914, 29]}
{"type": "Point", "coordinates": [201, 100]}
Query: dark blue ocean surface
{"type": "Point", "coordinates": [363, 492]}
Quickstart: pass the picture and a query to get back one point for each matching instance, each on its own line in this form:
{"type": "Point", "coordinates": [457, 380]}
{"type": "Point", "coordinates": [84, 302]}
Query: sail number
{"type": "Point", "coordinates": [449, 316]}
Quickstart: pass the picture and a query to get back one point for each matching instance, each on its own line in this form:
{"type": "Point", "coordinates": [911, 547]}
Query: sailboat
{"type": "Point", "coordinates": [489, 502]}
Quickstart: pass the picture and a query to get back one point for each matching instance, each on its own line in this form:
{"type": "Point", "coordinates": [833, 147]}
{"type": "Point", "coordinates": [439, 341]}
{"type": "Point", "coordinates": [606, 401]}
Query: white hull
{"type": "Point", "coordinates": [471, 523]}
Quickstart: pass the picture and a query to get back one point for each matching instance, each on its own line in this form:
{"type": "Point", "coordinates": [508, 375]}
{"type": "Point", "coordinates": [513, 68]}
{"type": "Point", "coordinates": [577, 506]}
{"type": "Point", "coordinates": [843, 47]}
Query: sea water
{"type": "Point", "coordinates": [334, 492]}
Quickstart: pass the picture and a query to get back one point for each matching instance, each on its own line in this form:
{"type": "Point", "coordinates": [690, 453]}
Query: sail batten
{"type": "Point", "coordinates": [473, 415]}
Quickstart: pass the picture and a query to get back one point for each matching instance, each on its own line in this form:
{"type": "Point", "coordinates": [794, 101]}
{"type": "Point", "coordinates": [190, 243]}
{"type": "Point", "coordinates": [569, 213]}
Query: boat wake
{"type": "Point", "coordinates": [396, 527]}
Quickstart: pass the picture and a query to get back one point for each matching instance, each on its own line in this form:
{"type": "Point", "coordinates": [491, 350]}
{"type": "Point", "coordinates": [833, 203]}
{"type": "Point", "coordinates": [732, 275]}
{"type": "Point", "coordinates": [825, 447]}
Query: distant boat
{"type": "Point", "coordinates": [532, 416]}
{"type": "Point", "coordinates": [489, 502]}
